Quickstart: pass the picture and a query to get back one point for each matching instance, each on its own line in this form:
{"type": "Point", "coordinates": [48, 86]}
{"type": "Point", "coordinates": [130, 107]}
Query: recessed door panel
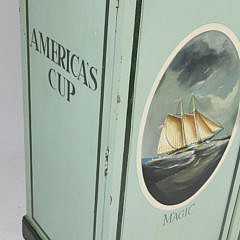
{"type": "Point", "coordinates": [184, 142]}
{"type": "Point", "coordinates": [65, 61]}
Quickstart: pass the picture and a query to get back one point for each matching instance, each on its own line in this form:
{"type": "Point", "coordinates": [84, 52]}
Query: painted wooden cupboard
{"type": "Point", "coordinates": [131, 119]}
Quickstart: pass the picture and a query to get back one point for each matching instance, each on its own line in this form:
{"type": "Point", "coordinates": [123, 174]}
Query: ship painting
{"type": "Point", "coordinates": [188, 152]}
{"type": "Point", "coordinates": [180, 133]}
{"type": "Point", "coordinates": [189, 119]}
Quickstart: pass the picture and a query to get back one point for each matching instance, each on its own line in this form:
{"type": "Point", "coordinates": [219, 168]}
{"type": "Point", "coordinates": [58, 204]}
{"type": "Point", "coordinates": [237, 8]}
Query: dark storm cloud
{"type": "Point", "coordinates": [198, 61]}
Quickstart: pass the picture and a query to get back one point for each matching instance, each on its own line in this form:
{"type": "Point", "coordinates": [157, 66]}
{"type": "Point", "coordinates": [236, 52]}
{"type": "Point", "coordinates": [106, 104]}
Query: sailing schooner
{"type": "Point", "coordinates": [186, 131]}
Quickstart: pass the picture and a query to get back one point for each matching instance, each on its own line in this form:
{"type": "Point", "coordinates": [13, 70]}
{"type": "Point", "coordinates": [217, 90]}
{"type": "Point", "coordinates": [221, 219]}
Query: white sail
{"type": "Point", "coordinates": [189, 129]}
{"type": "Point", "coordinates": [203, 130]}
{"type": "Point", "coordinates": [213, 126]}
{"type": "Point", "coordinates": [164, 145]}
{"type": "Point", "coordinates": [172, 135]}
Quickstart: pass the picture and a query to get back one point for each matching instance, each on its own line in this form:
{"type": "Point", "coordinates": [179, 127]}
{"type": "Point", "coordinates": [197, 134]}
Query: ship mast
{"type": "Point", "coordinates": [182, 120]}
{"type": "Point", "coordinates": [195, 121]}
{"type": "Point", "coordinates": [185, 131]}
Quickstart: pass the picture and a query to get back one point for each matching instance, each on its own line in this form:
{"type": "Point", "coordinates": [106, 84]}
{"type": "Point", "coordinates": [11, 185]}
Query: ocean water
{"type": "Point", "coordinates": [172, 179]}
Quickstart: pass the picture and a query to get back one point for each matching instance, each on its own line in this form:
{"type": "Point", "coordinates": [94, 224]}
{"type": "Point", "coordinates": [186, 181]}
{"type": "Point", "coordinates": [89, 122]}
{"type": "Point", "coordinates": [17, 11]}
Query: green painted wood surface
{"type": "Point", "coordinates": [65, 135]}
{"type": "Point", "coordinates": [234, 229]}
{"type": "Point", "coordinates": [163, 26]}
{"type": "Point", "coordinates": [61, 134]}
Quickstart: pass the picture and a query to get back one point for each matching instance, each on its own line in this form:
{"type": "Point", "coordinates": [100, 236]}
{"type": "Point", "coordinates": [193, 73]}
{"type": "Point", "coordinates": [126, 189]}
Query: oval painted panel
{"type": "Point", "coordinates": [190, 117]}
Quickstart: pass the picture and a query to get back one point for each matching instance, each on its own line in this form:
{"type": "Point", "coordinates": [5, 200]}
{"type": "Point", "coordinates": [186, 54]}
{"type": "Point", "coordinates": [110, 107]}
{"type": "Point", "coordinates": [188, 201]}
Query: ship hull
{"type": "Point", "coordinates": [193, 145]}
{"type": "Point", "coordinates": [185, 148]}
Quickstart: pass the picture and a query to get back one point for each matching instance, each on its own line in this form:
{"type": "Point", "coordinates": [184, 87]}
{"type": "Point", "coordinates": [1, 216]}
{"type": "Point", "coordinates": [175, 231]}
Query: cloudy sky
{"type": "Point", "coordinates": [207, 67]}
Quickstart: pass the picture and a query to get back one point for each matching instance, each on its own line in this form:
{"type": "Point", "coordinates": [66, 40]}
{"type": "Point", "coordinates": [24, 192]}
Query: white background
{"type": "Point", "coordinates": [12, 179]}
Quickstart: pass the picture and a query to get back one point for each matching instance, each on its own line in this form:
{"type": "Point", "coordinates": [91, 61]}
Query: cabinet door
{"type": "Point", "coordinates": [233, 231]}
{"type": "Point", "coordinates": [64, 90]}
{"type": "Point", "coordinates": [181, 165]}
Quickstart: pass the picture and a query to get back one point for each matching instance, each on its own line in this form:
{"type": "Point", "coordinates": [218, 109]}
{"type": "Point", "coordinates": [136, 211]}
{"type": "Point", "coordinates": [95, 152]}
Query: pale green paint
{"type": "Point", "coordinates": [121, 75]}
{"type": "Point", "coordinates": [234, 229]}
{"type": "Point", "coordinates": [60, 212]}
{"type": "Point", "coordinates": [65, 136]}
{"type": "Point", "coordinates": [235, 222]}
{"type": "Point", "coordinates": [164, 26]}
{"type": "Point", "coordinates": [26, 113]}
